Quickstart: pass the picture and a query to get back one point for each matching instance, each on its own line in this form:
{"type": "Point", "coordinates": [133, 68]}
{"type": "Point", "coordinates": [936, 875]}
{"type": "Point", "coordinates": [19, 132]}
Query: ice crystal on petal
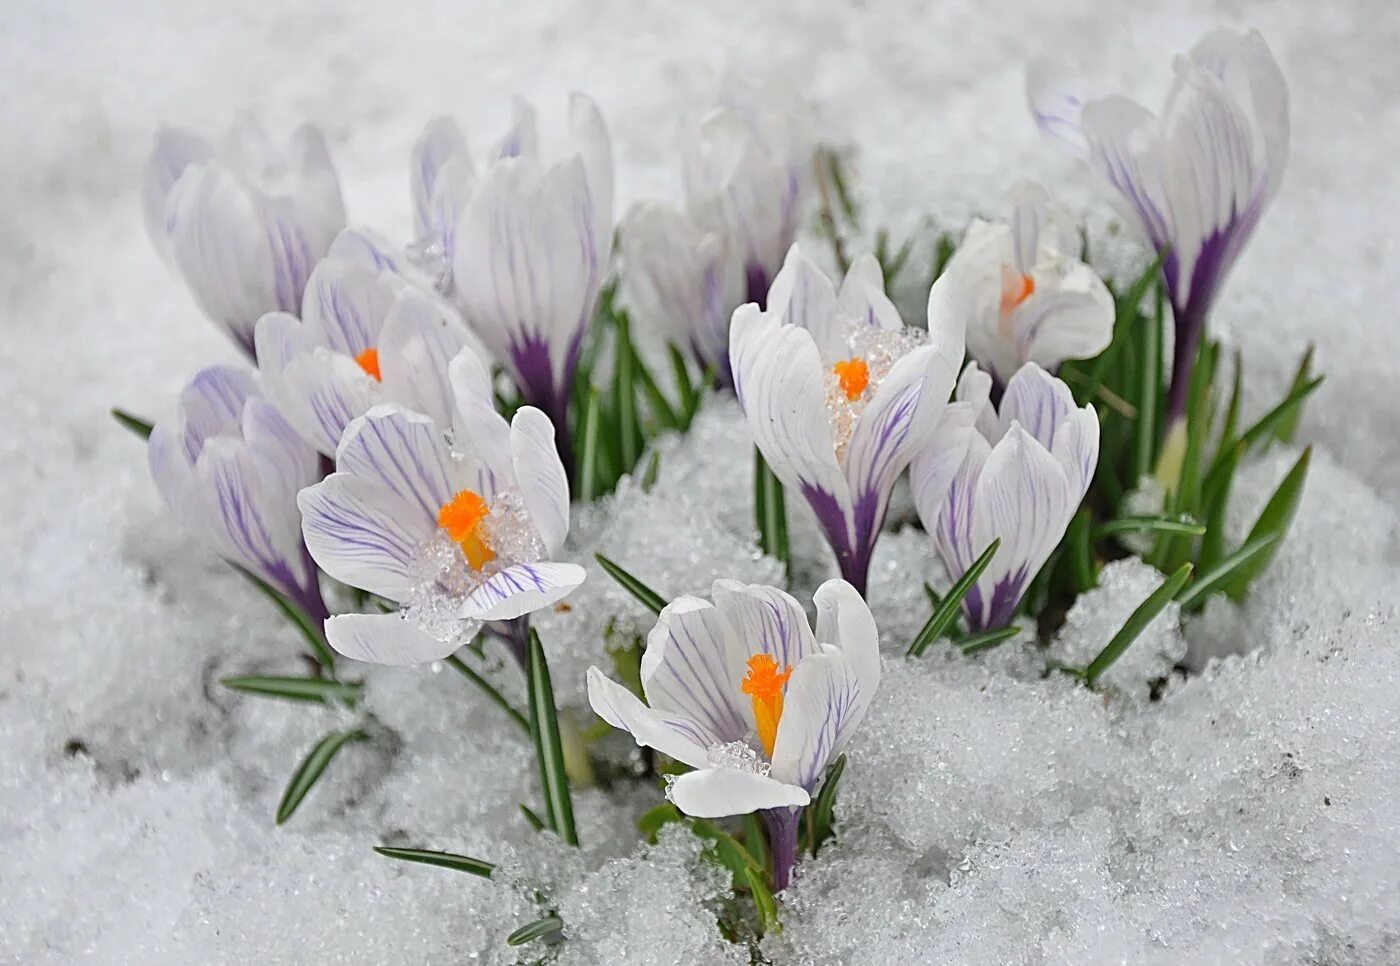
{"type": "Point", "coordinates": [738, 756]}
{"type": "Point", "coordinates": [510, 532]}
{"type": "Point", "coordinates": [880, 349]}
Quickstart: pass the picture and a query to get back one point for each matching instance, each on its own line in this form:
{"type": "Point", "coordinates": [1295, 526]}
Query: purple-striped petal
{"type": "Point", "coordinates": [385, 639]}
{"type": "Point", "coordinates": [821, 707]}
{"type": "Point", "coordinates": [521, 589]}
{"type": "Point", "coordinates": [321, 392]}
{"type": "Point", "coordinates": [540, 476]}
{"type": "Point", "coordinates": [363, 535]}
{"type": "Point", "coordinates": [1036, 400]}
{"type": "Point", "coordinates": [674, 735]}
{"type": "Point", "coordinates": [441, 142]}
{"type": "Point", "coordinates": [693, 666]}
{"type": "Point", "coordinates": [349, 302]}
{"type": "Point", "coordinates": [420, 338]}
{"type": "Point", "coordinates": [802, 295]}
{"type": "Point", "coordinates": [844, 622]}
{"type": "Point", "coordinates": [765, 620]}
{"type": "Point", "coordinates": [718, 792]}
{"type": "Point", "coordinates": [174, 151]}
{"type": "Point", "coordinates": [402, 451]}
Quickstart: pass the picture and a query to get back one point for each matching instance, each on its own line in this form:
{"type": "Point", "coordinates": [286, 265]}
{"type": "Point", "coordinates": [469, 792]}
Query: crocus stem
{"type": "Point", "coordinates": [1190, 327]}
{"type": "Point", "coordinates": [515, 635]}
{"type": "Point", "coordinates": [855, 569]}
{"type": "Point", "coordinates": [782, 825]}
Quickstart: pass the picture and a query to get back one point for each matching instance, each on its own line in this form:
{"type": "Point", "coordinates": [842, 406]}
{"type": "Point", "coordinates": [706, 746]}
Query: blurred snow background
{"type": "Point", "coordinates": [1250, 815]}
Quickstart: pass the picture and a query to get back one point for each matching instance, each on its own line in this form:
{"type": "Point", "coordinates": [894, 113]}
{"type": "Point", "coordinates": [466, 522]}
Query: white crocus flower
{"type": "Point", "coordinates": [1017, 473]}
{"type": "Point", "coordinates": [744, 693]}
{"type": "Point", "coordinates": [839, 395]}
{"type": "Point", "coordinates": [229, 467]}
{"type": "Point", "coordinates": [1197, 178]}
{"type": "Point", "coordinates": [747, 164]}
{"type": "Point", "coordinates": [370, 332]}
{"type": "Point", "coordinates": [458, 532]}
{"type": "Point", "coordinates": [521, 249]}
{"type": "Point", "coordinates": [1033, 299]}
{"type": "Point", "coordinates": [245, 225]}
{"type": "Point", "coordinates": [681, 279]}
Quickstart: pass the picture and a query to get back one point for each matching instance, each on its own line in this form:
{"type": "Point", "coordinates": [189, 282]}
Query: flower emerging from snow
{"type": "Point", "coordinates": [839, 395]}
{"type": "Point", "coordinates": [1033, 299]}
{"type": "Point", "coordinates": [457, 532]}
{"type": "Point", "coordinates": [229, 467]}
{"type": "Point", "coordinates": [746, 166]}
{"type": "Point", "coordinates": [1197, 178]}
{"type": "Point", "coordinates": [1017, 474]}
{"type": "Point", "coordinates": [368, 334]}
{"type": "Point", "coordinates": [522, 250]}
{"type": "Point", "coordinates": [245, 225]}
{"type": "Point", "coordinates": [744, 693]}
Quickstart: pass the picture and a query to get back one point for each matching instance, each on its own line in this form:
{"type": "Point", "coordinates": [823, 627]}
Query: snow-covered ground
{"type": "Point", "coordinates": [1252, 815]}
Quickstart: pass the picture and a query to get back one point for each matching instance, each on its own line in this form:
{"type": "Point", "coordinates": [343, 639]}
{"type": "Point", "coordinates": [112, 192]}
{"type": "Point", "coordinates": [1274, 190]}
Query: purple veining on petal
{"type": "Point", "coordinates": [1006, 596]}
{"type": "Point", "coordinates": [708, 694]}
{"type": "Point", "coordinates": [854, 561]}
{"type": "Point", "coordinates": [756, 284]}
{"type": "Point", "coordinates": [534, 375]}
{"type": "Point", "coordinates": [782, 827]}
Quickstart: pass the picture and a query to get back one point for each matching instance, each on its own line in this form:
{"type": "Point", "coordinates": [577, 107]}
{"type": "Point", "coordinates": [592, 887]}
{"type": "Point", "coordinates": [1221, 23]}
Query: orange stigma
{"type": "Point", "coordinates": [369, 362]}
{"type": "Point", "coordinates": [1015, 289]}
{"type": "Point", "coordinates": [765, 684]}
{"type": "Point", "coordinates": [462, 517]}
{"type": "Point", "coordinates": [854, 376]}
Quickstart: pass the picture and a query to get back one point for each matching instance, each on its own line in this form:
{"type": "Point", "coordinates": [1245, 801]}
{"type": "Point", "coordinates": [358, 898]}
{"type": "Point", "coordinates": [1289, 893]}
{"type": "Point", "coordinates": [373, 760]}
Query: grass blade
{"type": "Point", "coordinates": [1080, 551]}
{"type": "Point", "coordinates": [539, 929]}
{"type": "Point", "coordinates": [1149, 524]}
{"type": "Point", "coordinates": [312, 767]}
{"type": "Point", "coordinates": [1288, 425]}
{"type": "Point", "coordinates": [756, 839]}
{"type": "Point", "coordinates": [1149, 395]}
{"type": "Point", "coordinates": [590, 471]}
{"type": "Point", "coordinates": [763, 901]}
{"type": "Point", "coordinates": [306, 690]}
{"type": "Point", "coordinates": [1136, 622]}
{"type": "Point", "coordinates": [534, 821]}
{"type": "Point", "coordinates": [944, 614]}
{"type": "Point", "coordinates": [643, 594]}
{"type": "Point", "coordinates": [313, 634]}
{"type": "Point", "coordinates": [443, 860]}
{"type": "Point", "coordinates": [986, 640]}
{"type": "Point", "coordinates": [135, 424]}
{"type": "Point", "coordinates": [824, 808]}
{"type": "Point", "coordinates": [629, 430]}
{"type": "Point", "coordinates": [689, 395]}
{"type": "Point", "coordinates": [488, 689]}
{"type": "Point", "coordinates": [770, 511]}
{"type": "Point", "coordinates": [1218, 577]}
{"type": "Point", "coordinates": [661, 409]}
{"type": "Point", "coordinates": [549, 749]}
{"type": "Point", "coordinates": [1267, 424]}
{"type": "Point", "coordinates": [1274, 519]}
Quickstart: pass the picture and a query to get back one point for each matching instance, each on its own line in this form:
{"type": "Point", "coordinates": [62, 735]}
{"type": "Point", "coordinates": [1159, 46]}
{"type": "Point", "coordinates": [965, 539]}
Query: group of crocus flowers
{"type": "Point", "coordinates": [365, 439]}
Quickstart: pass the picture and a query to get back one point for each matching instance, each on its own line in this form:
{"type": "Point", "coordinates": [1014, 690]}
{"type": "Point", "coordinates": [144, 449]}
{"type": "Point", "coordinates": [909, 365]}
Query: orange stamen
{"type": "Point", "coordinates": [765, 684]}
{"type": "Point", "coordinates": [854, 376]}
{"type": "Point", "coordinates": [462, 517]}
{"type": "Point", "coordinates": [369, 362]}
{"type": "Point", "coordinates": [1015, 289]}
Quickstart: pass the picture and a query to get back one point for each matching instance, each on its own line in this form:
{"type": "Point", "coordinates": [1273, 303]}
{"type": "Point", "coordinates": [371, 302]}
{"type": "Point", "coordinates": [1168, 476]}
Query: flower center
{"type": "Point", "coordinates": [764, 684]}
{"type": "Point", "coordinates": [462, 517]}
{"type": "Point", "coordinates": [1015, 289]}
{"type": "Point", "coordinates": [369, 362]}
{"type": "Point", "coordinates": [854, 376]}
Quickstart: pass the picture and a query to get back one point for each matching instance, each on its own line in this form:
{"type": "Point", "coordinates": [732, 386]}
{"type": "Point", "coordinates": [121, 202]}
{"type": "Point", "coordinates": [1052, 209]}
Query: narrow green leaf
{"type": "Point", "coordinates": [539, 929]}
{"type": "Point", "coordinates": [685, 387]}
{"type": "Point", "coordinates": [310, 631]}
{"type": "Point", "coordinates": [629, 430]}
{"type": "Point", "coordinates": [661, 409]}
{"type": "Point", "coordinates": [307, 690]}
{"type": "Point", "coordinates": [1288, 425]}
{"type": "Point", "coordinates": [986, 640]}
{"type": "Point", "coordinates": [729, 851]}
{"type": "Point", "coordinates": [443, 860]}
{"type": "Point", "coordinates": [1149, 395]}
{"type": "Point", "coordinates": [770, 511]}
{"type": "Point", "coordinates": [534, 820]}
{"type": "Point", "coordinates": [1173, 549]}
{"type": "Point", "coordinates": [942, 254]}
{"type": "Point", "coordinates": [1274, 519]}
{"type": "Point", "coordinates": [488, 689]}
{"type": "Point", "coordinates": [136, 424]}
{"type": "Point", "coordinates": [933, 597]}
{"type": "Point", "coordinates": [312, 767]}
{"type": "Point", "coordinates": [1149, 524]}
{"type": "Point", "coordinates": [1264, 428]}
{"type": "Point", "coordinates": [643, 594]}
{"type": "Point", "coordinates": [1125, 315]}
{"type": "Point", "coordinates": [1080, 551]}
{"type": "Point", "coordinates": [842, 189]}
{"type": "Point", "coordinates": [763, 901]}
{"type": "Point", "coordinates": [824, 808]}
{"type": "Point", "coordinates": [1215, 501]}
{"type": "Point", "coordinates": [944, 614]}
{"type": "Point", "coordinates": [756, 839]}
{"type": "Point", "coordinates": [1134, 625]}
{"type": "Point", "coordinates": [1232, 410]}
{"type": "Point", "coordinates": [653, 820]}
{"type": "Point", "coordinates": [1218, 577]}
{"type": "Point", "coordinates": [590, 473]}
{"type": "Point", "coordinates": [653, 470]}
{"type": "Point", "coordinates": [549, 749]}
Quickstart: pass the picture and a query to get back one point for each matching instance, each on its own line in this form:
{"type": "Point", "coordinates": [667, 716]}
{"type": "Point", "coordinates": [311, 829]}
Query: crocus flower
{"type": "Point", "coordinates": [369, 333]}
{"type": "Point", "coordinates": [839, 395]}
{"type": "Point", "coordinates": [457, 533]}
{"type": "Point", "coordinates": [523, 248]}
{"type": "Point", "coordinates": [1033, 299]}
{"type": "Point", "coordinates": [682, 280]}
{"type": "Point", "coordinates": [245, 225]}
{"type": "Point", "coordinates": [744, 693]}
{"type": "Point", "coordinates": [1197, 178]}
{"type": "Point", "coordinates": [746, 168]}
{"type": "Point", "coordinates": [1017, 473]}
{"type": "Point", "coordinates": [229, 467]}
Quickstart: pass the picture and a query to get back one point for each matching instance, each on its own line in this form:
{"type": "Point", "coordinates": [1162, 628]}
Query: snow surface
{"type": "Point", "coordinates": [1252, 815]}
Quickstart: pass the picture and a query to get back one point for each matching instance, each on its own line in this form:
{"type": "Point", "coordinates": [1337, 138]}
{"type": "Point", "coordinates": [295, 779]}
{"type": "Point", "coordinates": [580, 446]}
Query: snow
{"type": "Point", "coordinates": [988, 814]}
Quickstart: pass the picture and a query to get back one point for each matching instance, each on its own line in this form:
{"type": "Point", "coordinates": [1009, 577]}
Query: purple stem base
{"type": "Point", "coordinates": [782, 825]}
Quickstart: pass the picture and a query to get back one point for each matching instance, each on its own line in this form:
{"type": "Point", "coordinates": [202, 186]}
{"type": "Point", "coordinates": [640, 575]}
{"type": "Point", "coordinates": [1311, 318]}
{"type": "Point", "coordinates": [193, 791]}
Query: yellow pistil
{"type": "Point", "coordinates": [854, 376]}
{"type": "Point", "coordinates": [369, 362]}
{"type": "Point", "coordinates": [462, 517]}
{"type": "Point", "coordinates": [764, 684]}
{"type": "Point", "coordinates": [1015, 289]}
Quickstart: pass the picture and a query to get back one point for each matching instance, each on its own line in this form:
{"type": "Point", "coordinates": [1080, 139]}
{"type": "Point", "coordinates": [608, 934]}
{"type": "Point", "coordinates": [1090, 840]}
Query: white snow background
{"type": "Point", "coordinates": [988, 816]}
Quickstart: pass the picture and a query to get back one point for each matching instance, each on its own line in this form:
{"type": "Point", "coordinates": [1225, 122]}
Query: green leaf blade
{"type": "Point", "coordinates": [306, 690]}
{"type": "Point", "coordinates": [1135, 624]}
{"type": "Point", "coordinates": [442, 860]}
{"type": "Point", "coordinates": [643, 594]}
{"type": "Point", "coordinates": [945, 613]}
{"type": "Point", "coordinates": [312, 767]}
{"type": "Point", "coordinates": [549, 748]}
